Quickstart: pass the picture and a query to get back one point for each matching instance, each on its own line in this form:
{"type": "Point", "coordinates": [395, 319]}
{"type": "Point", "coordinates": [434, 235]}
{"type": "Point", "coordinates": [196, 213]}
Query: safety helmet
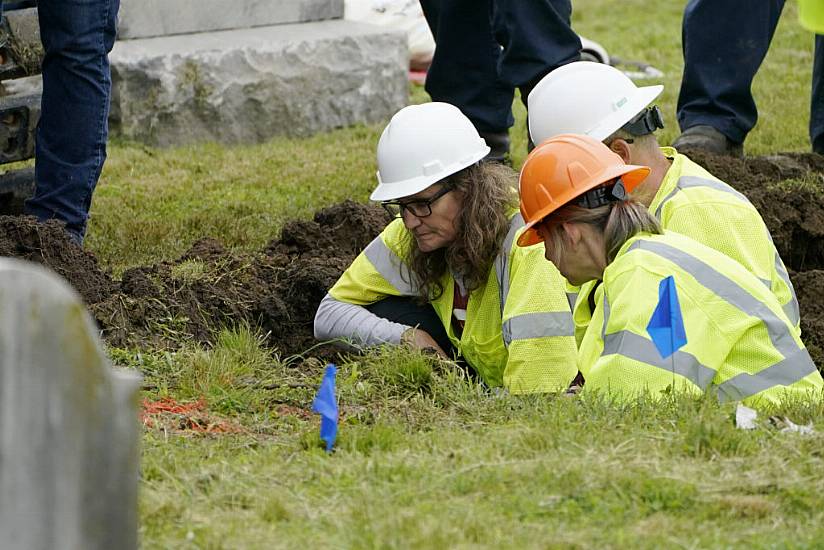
{"type": "Point", "coordinates": [569, 167]}
{"type": "Point", "coordinates": [423, 144]}
{"type": "Point", "coordinates": [585, 98]}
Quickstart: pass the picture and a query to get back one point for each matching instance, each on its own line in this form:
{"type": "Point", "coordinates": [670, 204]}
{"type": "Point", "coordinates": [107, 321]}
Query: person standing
{"type": "Point", "coordinates": [485, 49]}
{"type": "Point", "coordinates": [70, 143]}
{"type": "Point", "coordinates": [725, 42]}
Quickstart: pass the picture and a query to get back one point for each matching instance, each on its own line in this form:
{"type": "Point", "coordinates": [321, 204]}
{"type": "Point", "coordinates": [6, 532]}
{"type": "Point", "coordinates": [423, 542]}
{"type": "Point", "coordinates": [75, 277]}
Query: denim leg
{"type": "Point", "coordinates": [70, 146]}
{"type": "Point", "coordinates": [536, 37]}
{"type": "Point", "coordinates": [464, 70]}
{"type": "Point", "coordinates": [817, 101]}
{"type": "Point", "coordinates": [724, 43]}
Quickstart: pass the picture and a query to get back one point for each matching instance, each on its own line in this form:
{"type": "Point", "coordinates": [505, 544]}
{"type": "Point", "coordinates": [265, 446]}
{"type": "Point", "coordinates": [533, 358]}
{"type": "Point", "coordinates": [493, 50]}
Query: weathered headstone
{"type": "Point", "coordinates": [249, 85]}
{"type": "Point", "coordinates": [68, 422]}
{"type": "Point", "coordinates": [149, 18]}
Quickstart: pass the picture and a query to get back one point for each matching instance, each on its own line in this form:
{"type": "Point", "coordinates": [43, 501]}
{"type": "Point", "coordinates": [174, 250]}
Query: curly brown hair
{"type": "Point", "coordinates": [488, 192]}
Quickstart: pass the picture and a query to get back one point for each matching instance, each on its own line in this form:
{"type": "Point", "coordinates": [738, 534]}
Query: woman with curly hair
{"type": "Point", "coordinates": [446, 274]}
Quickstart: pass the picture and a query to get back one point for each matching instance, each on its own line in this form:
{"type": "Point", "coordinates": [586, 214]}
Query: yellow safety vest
{"type": "Point", "coordinates": [693, 202]}
{"type": "Point", "coordinates": [740, 343]}
{"type": "Point", "coordinates": [518, 331]}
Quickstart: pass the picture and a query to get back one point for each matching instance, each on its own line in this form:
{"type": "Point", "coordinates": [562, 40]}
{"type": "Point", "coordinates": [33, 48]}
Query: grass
{"type": "Point", "coordinates": [425, 458]}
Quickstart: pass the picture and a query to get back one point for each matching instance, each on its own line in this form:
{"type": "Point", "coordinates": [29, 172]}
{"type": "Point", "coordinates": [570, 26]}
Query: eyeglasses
{"type": "Point", "coordinates": [419, 208]}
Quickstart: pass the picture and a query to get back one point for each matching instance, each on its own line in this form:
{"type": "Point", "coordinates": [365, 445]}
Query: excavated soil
{"type": "Point", "coordinates": [163, 305]}
{"type": "Point", "coordinates": [279, 287]}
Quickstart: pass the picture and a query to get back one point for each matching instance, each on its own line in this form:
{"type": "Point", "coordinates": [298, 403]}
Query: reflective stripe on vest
{"type": "Point", "coordinates": [387, 263]}
{"type": "Point", "coordinates": [791, 308]}
{"type": "Point", "coordinates": [572, 297]}
{"type": "Point", "coordinates": [528, 325]}
{"type": "Point", "coordinates": [796, 364]}
{"type": "Point", "coordinates": [538, 325]}
{"type": "Point", "coordinates": [633, 346]}
{"type": "Point", "coordinates": [502, 261]}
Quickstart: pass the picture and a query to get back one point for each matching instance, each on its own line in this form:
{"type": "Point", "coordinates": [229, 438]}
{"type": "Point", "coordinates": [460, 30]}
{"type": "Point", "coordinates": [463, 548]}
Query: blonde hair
{"type": "Point", "coordinates": [617, 221]}
{"type": "Point", "coordinates": [488, 196]}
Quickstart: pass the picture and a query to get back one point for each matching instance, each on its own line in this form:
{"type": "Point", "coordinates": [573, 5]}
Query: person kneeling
{"type": "Point", "coordinates": [446, 273]}
{"type": "Point", "coordinates": [737, 340]}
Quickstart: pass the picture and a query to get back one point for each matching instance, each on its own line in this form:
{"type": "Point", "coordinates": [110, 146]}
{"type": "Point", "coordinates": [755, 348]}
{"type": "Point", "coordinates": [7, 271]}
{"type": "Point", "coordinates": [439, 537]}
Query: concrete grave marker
{"type": "Point", "coordinates": [68, 422]}
{"type": "Point", "coordinates": [149, 18]}
{"type": "Point", "coordinates": [250, 85]}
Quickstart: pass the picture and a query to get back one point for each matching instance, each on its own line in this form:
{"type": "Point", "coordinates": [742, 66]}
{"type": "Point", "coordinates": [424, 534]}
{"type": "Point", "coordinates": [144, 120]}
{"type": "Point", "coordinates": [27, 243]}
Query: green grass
{"type": "Point", "coordinates": [426, 459]}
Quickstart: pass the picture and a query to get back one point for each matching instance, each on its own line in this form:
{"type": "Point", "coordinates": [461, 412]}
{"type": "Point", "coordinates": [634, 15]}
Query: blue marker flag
{"type": "Point", "coordinates": [666, 326]}
{"type": "Point", "coordinates": [326, 406]}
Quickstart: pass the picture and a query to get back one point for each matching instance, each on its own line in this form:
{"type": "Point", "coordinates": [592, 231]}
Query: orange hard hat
{"type": "Point", "coordinates": [563, 168]}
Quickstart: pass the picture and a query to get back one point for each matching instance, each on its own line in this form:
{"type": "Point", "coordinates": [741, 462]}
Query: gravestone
{"type": "Point", "coordinates": [68, 422]}
{"type": "Point", "coordinates": [150, 18]}
{"type": "Point", "coordinates": [245, 71]}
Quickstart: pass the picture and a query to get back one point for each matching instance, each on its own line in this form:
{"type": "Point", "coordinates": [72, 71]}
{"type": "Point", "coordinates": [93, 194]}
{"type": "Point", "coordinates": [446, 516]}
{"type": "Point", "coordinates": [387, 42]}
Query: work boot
{"type": "Point", "coordinates": [707, 138]}
{"type": "Point", "coordinates": [499, 143]}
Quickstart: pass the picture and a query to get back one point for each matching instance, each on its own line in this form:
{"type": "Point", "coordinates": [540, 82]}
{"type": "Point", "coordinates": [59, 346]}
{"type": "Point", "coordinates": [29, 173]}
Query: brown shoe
{"type": "Point", "coordinates": [707, 138]}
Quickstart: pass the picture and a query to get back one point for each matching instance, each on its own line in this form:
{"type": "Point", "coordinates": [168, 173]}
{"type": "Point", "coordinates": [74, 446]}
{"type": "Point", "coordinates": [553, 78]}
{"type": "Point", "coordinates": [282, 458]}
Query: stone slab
{"type": "Point", "coordinates": [247, 86]}
{"type": "Point", "coordinates": [69, 438]}
{"type": "Point", "coordinates": [149, 18]}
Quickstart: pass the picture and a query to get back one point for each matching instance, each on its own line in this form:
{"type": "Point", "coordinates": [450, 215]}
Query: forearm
{"type": "Point", "coordinates": [336, 319]}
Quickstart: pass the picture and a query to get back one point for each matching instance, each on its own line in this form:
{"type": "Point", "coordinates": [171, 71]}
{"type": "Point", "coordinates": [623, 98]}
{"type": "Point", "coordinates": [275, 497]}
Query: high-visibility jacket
{"type": "Point", "coordinates": [693, 202]}
{"type": "Point", "coordinates": [740, 342]}
{"type": "Point", "coordinates": [518, 331]}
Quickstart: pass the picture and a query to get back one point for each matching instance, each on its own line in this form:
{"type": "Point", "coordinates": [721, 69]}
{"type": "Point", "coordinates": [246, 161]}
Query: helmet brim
{"type": "Point", "coordinates": [632, 175]}
{"type": "Point", "coordinates": [642, 98]}
{"type": "Point", "coordinates": [407, 188]}
{"type": "Point", "coordinates": [530, 236]}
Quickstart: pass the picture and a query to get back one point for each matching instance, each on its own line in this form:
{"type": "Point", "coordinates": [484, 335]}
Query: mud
{"type": "Point", "coordinates": [209, 287]}
{"type": "Point", "coordinates": [46, 244]}
{"type": "Point", "coordinates": [787, 190]}
{"type": "Point", "coordinates": [278, 288]}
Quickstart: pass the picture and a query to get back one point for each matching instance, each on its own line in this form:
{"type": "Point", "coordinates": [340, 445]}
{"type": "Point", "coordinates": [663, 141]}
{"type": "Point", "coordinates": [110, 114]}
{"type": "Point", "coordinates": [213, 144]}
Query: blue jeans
{"type": "Point", "coordinates": [725, 42]}
{"type": "Point", "coordinates": [70, 146]}
{"type": "Point", "coordinates": [487, 48]}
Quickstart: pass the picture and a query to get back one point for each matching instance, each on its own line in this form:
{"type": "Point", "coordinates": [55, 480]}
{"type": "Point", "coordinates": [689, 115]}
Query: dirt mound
{"type": "Point", "coordinates": [278, 289]}
{"type": "Point", "coordinates": [787, 190]}
{"type": "Point", "coordinates": [809, 287]}
{"type": "Point", "coordinates": [47, 244]}
{"type": "Point", "coordinates": [208, 287]}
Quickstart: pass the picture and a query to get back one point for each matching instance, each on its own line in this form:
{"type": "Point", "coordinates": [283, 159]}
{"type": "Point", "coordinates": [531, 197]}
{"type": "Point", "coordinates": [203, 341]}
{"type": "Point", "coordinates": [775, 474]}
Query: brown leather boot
{"type": "Point", "coordinates": [707, 138]}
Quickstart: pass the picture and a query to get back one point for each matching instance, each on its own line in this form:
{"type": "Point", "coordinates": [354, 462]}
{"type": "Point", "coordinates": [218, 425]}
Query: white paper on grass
{"type": "Point", "coordinates": [745, 417]}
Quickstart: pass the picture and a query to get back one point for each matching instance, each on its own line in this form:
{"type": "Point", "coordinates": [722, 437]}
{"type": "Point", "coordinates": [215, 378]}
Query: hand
{"type": "Point", "coordinates": [420, 339]}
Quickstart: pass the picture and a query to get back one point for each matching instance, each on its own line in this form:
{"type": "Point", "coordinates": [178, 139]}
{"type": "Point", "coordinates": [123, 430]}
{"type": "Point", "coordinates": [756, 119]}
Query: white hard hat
{"type": "Point", "coordinates": [423, 144]}
{"type": "Point", "coordinates": [585, 98]}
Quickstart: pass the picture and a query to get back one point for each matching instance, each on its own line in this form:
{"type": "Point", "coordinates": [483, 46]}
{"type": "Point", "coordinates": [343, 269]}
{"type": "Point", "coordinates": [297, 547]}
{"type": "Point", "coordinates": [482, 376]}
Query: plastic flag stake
{"type": "Point", "coordinates": [326, 405]}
